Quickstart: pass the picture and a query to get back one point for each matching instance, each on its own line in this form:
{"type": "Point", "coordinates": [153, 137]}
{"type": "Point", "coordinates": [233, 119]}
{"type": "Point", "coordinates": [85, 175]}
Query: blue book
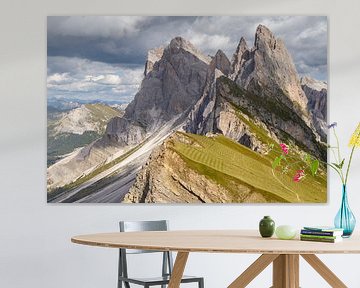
{"type": "Point", "coordinates": [322, 231]}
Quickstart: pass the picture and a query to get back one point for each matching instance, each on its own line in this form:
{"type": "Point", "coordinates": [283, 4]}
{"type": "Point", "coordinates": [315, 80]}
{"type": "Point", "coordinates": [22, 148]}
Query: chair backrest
{"type": "Point", "coordinates": [134, 226]}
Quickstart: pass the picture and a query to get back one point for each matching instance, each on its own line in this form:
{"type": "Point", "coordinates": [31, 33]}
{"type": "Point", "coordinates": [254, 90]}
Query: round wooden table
{"type": "Point", "coordinates": [284, 254]}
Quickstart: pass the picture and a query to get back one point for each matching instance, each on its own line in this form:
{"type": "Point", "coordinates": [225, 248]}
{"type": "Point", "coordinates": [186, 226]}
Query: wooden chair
{"type": "Point", "coordinates": [167, 262]}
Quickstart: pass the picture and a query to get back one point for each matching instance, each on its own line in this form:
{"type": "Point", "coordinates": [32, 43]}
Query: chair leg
{"type": "Point", "coordinates": [201, 283]}
{"type": "Point", "coordinates": [126, 284]}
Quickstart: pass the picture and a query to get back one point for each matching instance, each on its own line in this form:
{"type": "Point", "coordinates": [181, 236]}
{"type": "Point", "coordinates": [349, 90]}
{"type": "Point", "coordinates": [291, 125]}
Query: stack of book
{"type": "Point", "coordinates": [321, 234]}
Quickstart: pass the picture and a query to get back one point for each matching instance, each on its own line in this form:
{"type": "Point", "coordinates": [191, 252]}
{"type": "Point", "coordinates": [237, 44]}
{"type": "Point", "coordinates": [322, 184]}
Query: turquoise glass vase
{"type": "Point", "coordinates": [345, 219]}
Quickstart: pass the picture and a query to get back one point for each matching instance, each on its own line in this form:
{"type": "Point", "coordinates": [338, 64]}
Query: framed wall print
{"type": "Point", "coordinates": [187, 109]}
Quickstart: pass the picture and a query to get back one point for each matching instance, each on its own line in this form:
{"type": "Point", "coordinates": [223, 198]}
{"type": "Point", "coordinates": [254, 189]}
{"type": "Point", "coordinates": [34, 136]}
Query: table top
{"type": "Point", "coordinates": [217, 241]}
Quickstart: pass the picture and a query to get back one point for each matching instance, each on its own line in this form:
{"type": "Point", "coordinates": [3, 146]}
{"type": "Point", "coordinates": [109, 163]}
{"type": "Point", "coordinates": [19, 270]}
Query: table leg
{"type": "Point", "coordinates": [253, 270]}
{"type": "Point", "coordinates": [286, 271]}
{"type": "Point", "coordinates": [324, 271]}
{"type": "Point", "coordinates": [178, 269]}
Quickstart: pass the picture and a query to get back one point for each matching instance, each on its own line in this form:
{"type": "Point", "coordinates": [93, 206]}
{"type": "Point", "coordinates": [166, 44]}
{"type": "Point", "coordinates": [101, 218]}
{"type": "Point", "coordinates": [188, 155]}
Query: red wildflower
{"type": "Point", "coordinates": [284, 148]}
{"type": "Point", "coordinates": [299, 175]}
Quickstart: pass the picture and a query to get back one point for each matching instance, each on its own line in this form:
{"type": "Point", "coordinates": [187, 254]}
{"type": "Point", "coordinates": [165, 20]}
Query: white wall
{"type": "Point", "coordinates": [35, 248]}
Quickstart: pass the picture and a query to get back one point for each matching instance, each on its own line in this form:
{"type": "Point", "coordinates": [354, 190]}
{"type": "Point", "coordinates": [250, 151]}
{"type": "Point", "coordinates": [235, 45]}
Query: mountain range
{"type": "Point", "coordinates": [199, 130]}
{"type": "Point", "coordinates": [76, 126]}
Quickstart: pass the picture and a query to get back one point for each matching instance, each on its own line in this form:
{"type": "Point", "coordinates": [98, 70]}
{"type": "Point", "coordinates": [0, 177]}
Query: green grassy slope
{"type": "Point", "coordinates": [228, 162]}
{"type": "Point", "coordinates": [102, 113]}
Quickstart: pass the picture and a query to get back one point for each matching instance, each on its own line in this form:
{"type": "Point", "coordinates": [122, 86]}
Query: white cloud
{"type": "Point", "coordinates": [75, 86]}
{"type": "Point", "coordinates": [109, 79]}
{"type": "Point", "coordinates": [313, 32]}
{"type": "Point", "coordinates": [58, 78]}
{"type": "Point", "coordinates": [134, 76]}
{"type": "Point", "coordinates": [124, 89]}
{"type": "Point", "coordinates": [92, 80]}
{"type": "Point", "coordinates": [208, 42]}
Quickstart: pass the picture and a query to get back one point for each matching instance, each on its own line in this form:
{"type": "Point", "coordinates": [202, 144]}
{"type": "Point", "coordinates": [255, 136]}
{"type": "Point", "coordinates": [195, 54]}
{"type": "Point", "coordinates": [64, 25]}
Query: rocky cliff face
{"type": "Point", "coordinates": [280, 122]}
{"type": "Point", "coordinates": [153, 56]}
{"type": "Point", "coordinates": [230, 110]}
{"type": "Point", "coordinates": [216, 114]}
{"type": "Point", "coordinates": [221, 62]}
{"type": "Point", "coordinates": [240, 56]}
{"type": "Point", "coordinates": [267, 70]}
{"type": "Point", "coordinates": [172, 87]}
{"type": "Point", "coordinates": [316, 92]}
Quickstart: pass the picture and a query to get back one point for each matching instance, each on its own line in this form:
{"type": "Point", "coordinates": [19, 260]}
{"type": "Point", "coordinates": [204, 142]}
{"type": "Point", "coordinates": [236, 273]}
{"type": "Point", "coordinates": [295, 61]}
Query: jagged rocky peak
{"type": "Point", "coordinates": [181, 43]}
{"type": "Point", "coordinates": [175, 83]}
{"type": "Point", "coordinates": [221, 62]}
{"type": "Point", "coordinates": [269, 70]}
{"type": "Point", "coordinates": [264, 36]}
{"type": "Point", "coordinates": [239, 56]}
{"type": "Point", "coordinates": [153, 56]}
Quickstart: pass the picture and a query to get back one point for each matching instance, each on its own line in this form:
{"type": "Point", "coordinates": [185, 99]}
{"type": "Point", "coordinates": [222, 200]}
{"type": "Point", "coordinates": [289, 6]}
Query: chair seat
{"type": "Point", "coordinates": [158, 280]}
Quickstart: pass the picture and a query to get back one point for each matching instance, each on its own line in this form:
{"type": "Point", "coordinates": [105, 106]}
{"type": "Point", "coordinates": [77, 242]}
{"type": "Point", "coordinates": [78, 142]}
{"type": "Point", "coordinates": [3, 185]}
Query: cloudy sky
{"type": "Point", "coordinates": [102, 57]}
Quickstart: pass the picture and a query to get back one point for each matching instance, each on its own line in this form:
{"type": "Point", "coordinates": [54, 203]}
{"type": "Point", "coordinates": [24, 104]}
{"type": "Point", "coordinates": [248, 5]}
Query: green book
{"type": "Point", "coordinates": [325, 240]}
{"type": "Point", "coordinates": [319, 236]}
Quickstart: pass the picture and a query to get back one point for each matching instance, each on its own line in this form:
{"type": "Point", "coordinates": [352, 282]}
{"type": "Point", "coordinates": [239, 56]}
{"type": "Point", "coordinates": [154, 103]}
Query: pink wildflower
{"type": "Point", "coordinates": [299, 175]}
{"type": "Point", "coordinates": [284, 148]}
